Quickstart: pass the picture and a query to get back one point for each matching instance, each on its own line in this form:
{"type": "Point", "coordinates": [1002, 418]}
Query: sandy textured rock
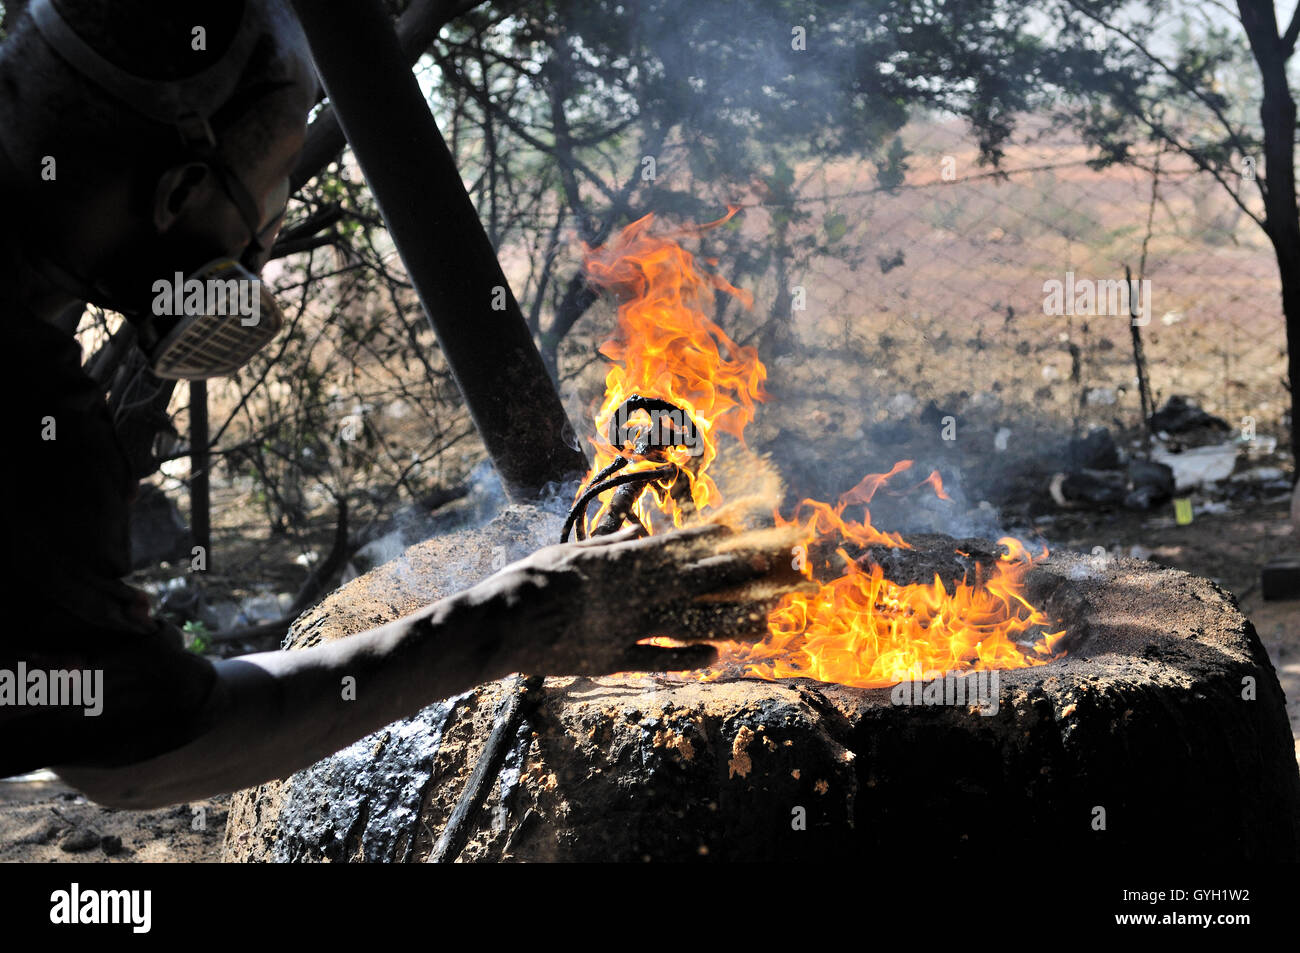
{"type": "Point", "coordinates": [1149, 719]}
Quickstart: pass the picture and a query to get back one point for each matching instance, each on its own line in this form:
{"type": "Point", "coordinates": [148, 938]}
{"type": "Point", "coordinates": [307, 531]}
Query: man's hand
{"type": "Point", "coordinates": [580, 608]}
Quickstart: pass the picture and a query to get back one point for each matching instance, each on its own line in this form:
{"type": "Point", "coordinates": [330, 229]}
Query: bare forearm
{"type": "Point", "coordinates": [276, 712]}
{"type": "Point", "coordinates": [269, 715]}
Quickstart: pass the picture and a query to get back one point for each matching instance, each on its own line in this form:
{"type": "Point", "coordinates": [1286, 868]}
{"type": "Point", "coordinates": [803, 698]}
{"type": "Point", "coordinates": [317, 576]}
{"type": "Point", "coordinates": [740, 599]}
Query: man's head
{"type": "Point", "coordinates": [105, 110]}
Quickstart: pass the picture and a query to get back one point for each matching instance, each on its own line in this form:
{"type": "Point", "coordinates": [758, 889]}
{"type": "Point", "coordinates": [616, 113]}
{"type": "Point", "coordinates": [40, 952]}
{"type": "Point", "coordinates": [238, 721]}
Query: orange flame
{"type": "Point", "coordinates": [862, 629]}
{"type": "Point", "coordinates": [859, 628]}
{"type": "Point", "coordinates": [666, 346]}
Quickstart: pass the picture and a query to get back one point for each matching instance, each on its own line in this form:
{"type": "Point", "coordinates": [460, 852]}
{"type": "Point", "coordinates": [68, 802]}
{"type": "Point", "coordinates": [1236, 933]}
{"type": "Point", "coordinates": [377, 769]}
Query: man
{"type": "Point", "coordinates": [138, 140]}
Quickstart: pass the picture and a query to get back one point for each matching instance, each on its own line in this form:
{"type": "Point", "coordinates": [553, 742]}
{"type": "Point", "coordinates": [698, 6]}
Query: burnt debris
{"type": "Point", "coordinates": [669, 426]}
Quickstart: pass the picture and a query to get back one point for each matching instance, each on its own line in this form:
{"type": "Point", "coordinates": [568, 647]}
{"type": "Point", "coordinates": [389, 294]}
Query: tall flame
{"type": "Point", "coordinates": [858, 628]}
{"type": "Point", "coordinates": [666, 346]}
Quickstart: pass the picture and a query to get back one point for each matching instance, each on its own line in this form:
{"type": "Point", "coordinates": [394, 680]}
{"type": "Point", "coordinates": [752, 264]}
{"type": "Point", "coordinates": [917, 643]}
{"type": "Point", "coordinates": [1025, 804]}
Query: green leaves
{"type": "Point", "coordinates": [782, 178]}
{"type": "Point", "coordinates": [198, 638]}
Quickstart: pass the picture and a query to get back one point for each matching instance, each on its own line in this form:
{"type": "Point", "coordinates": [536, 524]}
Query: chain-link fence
{"type": "Point", "coordinates": [946, 288]}
{"type": "Point", "coordinates": [998, 300]}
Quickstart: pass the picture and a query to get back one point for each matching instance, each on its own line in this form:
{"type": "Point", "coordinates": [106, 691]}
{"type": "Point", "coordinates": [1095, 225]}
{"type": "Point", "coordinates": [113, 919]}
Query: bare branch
{"type": "Point", "coordinates": [1233, 135]}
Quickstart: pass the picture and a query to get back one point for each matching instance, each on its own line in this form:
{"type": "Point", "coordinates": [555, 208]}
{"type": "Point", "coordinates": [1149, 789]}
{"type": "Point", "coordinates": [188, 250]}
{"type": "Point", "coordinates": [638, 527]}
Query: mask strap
{"type": "Point", "coordinates": [198, 138]}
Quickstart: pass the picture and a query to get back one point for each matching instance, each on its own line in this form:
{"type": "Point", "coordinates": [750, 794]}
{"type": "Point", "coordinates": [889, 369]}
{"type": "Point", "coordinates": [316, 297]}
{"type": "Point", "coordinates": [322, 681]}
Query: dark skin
{"type": "Point", "coordinates": [565, 610]}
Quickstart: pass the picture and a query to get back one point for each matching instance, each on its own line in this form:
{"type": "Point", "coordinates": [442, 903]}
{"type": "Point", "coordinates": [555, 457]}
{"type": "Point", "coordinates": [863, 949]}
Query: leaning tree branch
{"type": "Point", "coordinates": [417, 28]}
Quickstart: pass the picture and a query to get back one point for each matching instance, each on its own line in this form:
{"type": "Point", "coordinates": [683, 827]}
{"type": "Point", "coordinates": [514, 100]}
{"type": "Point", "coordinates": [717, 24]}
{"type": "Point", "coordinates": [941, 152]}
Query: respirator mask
{"type": "Point", "coordinates": [211, 320]}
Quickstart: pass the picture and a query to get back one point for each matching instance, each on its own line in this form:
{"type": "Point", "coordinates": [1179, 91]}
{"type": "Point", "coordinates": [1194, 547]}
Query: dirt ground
{"type": "Point", "coordinates": [46, 821]}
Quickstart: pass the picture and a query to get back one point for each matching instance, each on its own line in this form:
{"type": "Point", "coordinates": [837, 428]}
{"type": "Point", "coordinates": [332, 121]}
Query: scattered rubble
{"type": "Point", "coordinates": [1192, 455]}
{"type": "Point", "coordinates": [1197, 466]}
{"type": "Point", "coordinates": [1180, 422]}
{"type": "Point", "coordinates": [79, 839]}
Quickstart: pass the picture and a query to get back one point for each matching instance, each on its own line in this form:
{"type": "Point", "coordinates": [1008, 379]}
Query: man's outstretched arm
{"type": "Point", "coordinates": [575, 609]}
{"type": "Point", "coordinates": [273, 713]}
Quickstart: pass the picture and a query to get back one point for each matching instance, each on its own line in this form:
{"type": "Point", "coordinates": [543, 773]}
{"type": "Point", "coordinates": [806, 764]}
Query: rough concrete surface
{"type": "Point", "coordinates": [1161, 733]}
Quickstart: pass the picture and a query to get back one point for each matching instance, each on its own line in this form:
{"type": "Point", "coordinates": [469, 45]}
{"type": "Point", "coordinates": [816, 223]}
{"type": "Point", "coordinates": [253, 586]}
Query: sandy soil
{"type": "Point", "coordinates": [48, 822]}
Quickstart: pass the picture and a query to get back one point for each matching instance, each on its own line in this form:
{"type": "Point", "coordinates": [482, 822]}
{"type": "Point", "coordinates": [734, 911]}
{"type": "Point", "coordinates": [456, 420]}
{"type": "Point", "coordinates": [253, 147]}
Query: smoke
{"type": "Point", "coordinates": [484, 503]}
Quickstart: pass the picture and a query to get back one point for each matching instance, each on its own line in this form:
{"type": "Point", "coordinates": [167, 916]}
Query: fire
{"type": "Point", "coordinates": [666, 346]}
{"type": "Point", "coordinates": [858, 628]}
{"type": "Point", "coordinates": [861, 629]}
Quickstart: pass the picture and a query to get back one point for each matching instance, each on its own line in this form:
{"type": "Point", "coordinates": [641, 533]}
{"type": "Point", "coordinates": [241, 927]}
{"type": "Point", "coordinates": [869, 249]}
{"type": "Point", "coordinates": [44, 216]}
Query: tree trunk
{"type": "Point", "coordinates": [1282, 217]}
{"type": "Point", "coordinates": [448, 256]}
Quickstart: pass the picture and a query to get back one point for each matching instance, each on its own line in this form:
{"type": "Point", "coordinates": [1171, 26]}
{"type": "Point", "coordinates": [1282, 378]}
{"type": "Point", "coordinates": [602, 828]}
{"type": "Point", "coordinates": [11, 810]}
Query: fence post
{"type": "Point", "coordinates": [200, 493]}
